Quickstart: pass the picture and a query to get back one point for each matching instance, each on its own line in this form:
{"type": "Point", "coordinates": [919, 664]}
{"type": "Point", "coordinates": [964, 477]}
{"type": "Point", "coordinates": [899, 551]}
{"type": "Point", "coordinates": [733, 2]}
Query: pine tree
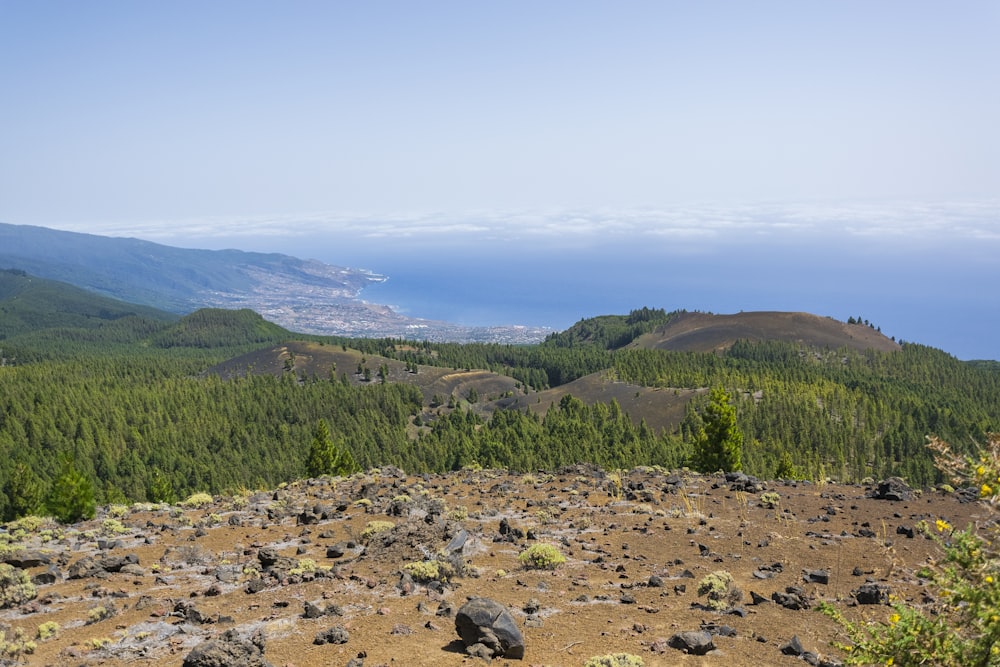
{"type": "Point", "coordinates": [72, 496]}
{"type": "Point", "coordinates": [718, 444]}
{"type": "Point", "coordinates": [25, 493]}
{"type": "Point", "coordinates": [325, 457]}
{"type": "Point", "coordinates": [321, 451]}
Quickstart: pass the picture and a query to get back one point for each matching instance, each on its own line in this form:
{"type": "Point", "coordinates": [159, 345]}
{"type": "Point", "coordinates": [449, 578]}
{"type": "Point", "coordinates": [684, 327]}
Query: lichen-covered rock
{"type": "Point", "coordinates": [336, 635]}
{"type": "Point", "coordinates": [487, 623]}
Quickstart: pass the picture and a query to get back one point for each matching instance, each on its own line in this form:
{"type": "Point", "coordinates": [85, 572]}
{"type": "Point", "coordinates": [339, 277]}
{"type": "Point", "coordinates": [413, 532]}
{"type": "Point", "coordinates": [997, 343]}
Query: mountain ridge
{"type": "Point", "coordinates": [305, 295]}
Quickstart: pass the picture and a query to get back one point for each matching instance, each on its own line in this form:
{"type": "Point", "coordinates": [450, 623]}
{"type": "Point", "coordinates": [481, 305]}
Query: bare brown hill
{"type": "Point", "coordinates": [706, 332]}
{"type": "Point", "coordinates": [308, 359]}
{"type": "Point", "coordinates": [661, 408]}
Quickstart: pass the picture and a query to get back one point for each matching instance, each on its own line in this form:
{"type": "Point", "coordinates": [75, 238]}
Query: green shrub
{"type": "Point", "coordinates": [961, 625]}
{"type": "Point", "coordinates": [113, 527]}
{"type": "Point", "coordinates": [47, 630]}
{"type": "Point", "coordinates": [15, 586]}
{"type": "Point", "coordinates": [718, 587]}
{"type": "Point", "coordinates": [373, 528]}
{"type": "Point", "coordinates": [429, 570]}
{"type": "Point", "coordinates": [197, 500]}
{"type": "Point", "coordinates": [770, 499]}
{"type": "Point", "coordinates": [14, 646]}
{"type": "Point", "coordinates": [99, 613]}
{"type": "Point", "coordinates": [541, 557]}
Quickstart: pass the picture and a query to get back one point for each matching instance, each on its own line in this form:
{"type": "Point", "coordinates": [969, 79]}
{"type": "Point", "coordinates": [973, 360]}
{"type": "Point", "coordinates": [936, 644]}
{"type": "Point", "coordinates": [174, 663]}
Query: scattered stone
{"type": "Point", "coordinates": [255, 586]}
{"type": "Point", "coordinates": [816, 576]}
{"type": "Point", "coordinates": [336, 550]}
{"type": "Point", "coordinates": [336, 635]}
{"type": "Point", "coordinates": [793, 647]}
{"type": "Point", "coordinates": [92, 566]}
{"type": "Point", "coordinates": [228, 650]}
{"type": "Point", "coordinates": [872, 594]}
{"type": "Point", "coordinates": [793, 598]}
{"type": "Point", "coordinates": [51, 575]}
{"type": "Point", "coordinates": [487, 623]}
{"type": "Point", "coordinates": [739, 481]}
{"type": "Point", "coordinates": [25, 560]}
{"type": "Point", "coordinates": [893, 488]}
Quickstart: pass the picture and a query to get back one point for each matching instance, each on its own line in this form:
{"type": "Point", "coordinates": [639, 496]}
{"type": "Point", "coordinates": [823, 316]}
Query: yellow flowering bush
{"type": "Point", "coordinates": [961, 626]}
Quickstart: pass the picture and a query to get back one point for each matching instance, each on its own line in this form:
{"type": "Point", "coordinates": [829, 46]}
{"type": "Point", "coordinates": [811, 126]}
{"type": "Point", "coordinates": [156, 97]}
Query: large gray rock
{"type": "Point", "coordinates": [228, 650]}
{"type": "Point", "coordinates": [486, 626]}
{"type": "Point", "coordinates": [695, 642]}
{"type": "Point", "coordinates": [91, 566]}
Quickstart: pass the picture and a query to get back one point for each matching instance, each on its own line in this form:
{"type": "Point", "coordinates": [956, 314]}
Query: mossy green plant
{"type": "Point", "coordinates": [541, 557]}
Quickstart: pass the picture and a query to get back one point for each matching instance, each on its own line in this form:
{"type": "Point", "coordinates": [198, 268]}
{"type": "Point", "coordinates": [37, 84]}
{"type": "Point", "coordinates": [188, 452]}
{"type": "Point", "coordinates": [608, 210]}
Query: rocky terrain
{"type": "Point", "coordinates": [375, 569]}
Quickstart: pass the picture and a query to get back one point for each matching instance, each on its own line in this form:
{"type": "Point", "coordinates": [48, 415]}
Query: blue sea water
{"type": "Point", "coordinates": [936, 298]}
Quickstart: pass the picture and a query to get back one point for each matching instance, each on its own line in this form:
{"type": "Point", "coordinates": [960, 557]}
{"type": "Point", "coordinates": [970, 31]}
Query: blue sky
{"type": "Point", "coordinates": [707, 123]}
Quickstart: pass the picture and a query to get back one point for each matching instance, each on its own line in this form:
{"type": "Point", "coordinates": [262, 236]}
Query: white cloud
{"type": "Point", "coordinates": [872, 222]}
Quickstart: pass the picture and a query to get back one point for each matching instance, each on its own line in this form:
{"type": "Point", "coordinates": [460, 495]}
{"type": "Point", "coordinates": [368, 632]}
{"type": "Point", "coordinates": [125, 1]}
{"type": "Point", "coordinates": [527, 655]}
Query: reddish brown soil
{"type": "Point", "coordinates": [598, 602]}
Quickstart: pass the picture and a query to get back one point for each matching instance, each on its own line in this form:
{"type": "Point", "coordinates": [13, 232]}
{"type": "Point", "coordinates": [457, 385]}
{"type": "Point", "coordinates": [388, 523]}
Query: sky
{"type": "Point", "coordinates": [737, 130]}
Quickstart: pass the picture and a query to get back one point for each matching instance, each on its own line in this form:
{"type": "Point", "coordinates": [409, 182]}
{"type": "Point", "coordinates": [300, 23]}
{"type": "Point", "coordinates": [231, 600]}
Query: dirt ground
{"type": "Point", "coordinates": [636, 548]}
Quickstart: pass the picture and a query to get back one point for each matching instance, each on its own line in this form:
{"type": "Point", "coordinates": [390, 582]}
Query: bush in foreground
{"type": "Point", "coordinates": [961, 626]}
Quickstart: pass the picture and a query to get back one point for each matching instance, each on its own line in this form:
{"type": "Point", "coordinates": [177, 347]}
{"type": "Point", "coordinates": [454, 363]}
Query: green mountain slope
{"type": "Point", "coordinates": [29, 304]}
{"type": "Point", "coordinates": [175, 279]}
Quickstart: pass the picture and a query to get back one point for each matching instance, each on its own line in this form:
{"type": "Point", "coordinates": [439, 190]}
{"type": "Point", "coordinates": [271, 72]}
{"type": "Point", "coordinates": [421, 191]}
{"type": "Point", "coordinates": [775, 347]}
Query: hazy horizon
{"type": "Point", "coordinates": [524, 161]}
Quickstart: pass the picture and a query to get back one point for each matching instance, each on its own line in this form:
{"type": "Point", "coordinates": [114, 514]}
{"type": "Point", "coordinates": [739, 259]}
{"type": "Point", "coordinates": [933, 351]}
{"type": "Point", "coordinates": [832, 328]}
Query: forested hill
{"type": "Point", "coordinates": [30, 305]}
{"type": "Point", "coordinates": [131, 409]}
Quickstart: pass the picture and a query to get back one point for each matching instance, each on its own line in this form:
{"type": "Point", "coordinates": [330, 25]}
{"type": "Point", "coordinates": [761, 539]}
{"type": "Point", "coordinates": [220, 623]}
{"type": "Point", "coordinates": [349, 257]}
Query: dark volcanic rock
{"type": "Point", "coordinates": [695, 642]}
{"type": "Point", "coordinates": [816, 576]}
{"type": "Point", "coordinates": [739, 481]}
{"type": "Point", "coordinates": [793, 598]}
{"type": "Point", "coordinates": [25, 560]}
{"type": "Point", "coordinates": [872, 594]}
{"type": "Point", "coordinates": [90, 566]}
{"type": "Point", "coordinates": [793, 647]}
{"type": "Point", "coordinates": [228, 650]}
{"type": "Point", "coordinates": [482, 621]}
{"type": "Point", "coordinates": [893, 488]}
